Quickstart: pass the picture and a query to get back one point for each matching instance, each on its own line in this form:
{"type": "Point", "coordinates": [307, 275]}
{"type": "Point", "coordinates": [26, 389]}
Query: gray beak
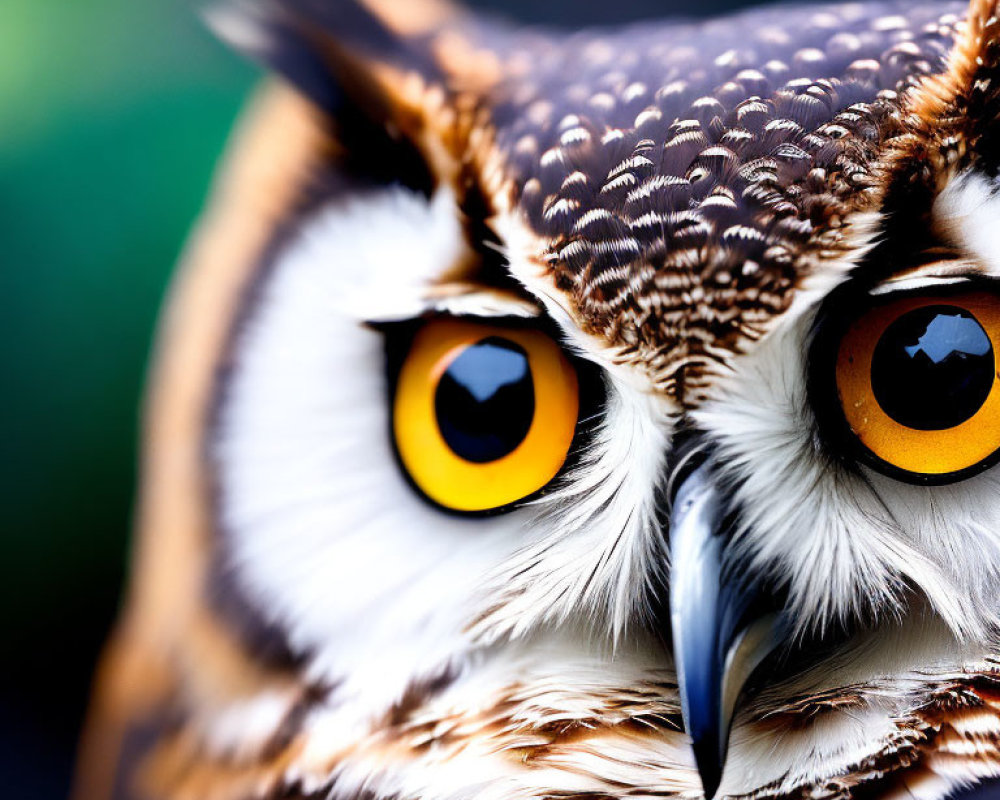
{"type": "Point", "coordinates": [721, 626]}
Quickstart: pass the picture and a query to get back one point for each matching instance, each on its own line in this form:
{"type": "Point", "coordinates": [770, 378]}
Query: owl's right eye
{"type": "Point", "coordinates": [483, 415]}
{"type": "Point", "coordinates": [918, 385]}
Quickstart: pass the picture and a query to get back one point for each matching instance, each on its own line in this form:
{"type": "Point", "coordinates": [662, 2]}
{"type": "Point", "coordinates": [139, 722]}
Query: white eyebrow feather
{"type": "Point", "coordinates": [968, 213]}
{"type": "Point", "coordinates": [402, 272]}
{"type": "Point", "coordinates": [930, 276]}
{"type": "Point", "coordinates": [468, 299]}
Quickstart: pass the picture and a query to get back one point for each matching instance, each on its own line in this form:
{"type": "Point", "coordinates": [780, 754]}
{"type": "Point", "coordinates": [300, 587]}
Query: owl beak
{"type": "Point", "coordinates": [723, 625]}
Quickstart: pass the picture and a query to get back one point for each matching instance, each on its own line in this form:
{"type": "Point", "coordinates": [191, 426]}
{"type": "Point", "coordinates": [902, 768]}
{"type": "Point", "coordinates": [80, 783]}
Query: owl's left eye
{"type": "Point", "coordinates": [916, 377]}
{"type": "Point", "coordinates": [483, 415]}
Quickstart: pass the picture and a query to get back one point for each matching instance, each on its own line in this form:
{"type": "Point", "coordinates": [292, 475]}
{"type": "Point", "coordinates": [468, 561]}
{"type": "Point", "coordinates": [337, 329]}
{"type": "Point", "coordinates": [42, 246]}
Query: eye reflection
{"type": "Point", "coordinates": [485, 401]}
{"type": "Point", "coordinates": [933, 368]}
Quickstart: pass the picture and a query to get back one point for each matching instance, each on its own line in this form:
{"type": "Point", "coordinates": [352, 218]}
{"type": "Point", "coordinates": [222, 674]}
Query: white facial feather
{"type": "Point", "coordinates": [846, 544]}
{"type": "Point", "coordinates": [603, 555]}
{"type": "Point", "coordinates": [383, 591]}
{"type": "Point", "coordinates": [321, 528]}
{"type": "Point", "coordinates": [888, 674]}
{"type": "Point", "coordinates": [968, 212]}
{"type": "Point", "coordinates": [508, 726]}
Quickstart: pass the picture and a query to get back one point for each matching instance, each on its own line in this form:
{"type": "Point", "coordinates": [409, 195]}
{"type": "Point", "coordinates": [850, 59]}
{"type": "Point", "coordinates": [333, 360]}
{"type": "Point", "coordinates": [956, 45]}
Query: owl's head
{"type": "Point", "coordinates": [528, 370]}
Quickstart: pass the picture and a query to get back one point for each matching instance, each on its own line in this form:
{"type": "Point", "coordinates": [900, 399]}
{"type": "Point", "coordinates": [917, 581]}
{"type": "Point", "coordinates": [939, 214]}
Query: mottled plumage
{"type": "Point", "coordinates": [684, 205]}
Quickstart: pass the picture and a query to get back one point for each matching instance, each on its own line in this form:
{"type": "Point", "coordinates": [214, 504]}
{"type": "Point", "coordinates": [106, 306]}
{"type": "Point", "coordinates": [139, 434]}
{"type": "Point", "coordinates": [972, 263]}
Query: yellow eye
{"type": "Point", "coordinates": [917, 380]}
{"type": "Point", "coordinates": [484, 415]}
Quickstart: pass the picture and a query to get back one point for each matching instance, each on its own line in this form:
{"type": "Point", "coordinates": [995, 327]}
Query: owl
{"type": "Point", "coordinates": [580, 415]}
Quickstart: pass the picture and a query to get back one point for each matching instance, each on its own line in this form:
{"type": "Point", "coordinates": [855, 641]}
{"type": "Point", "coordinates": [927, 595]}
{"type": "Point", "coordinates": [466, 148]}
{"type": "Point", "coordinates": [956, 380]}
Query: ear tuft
{"type": "Point", "coordinates": [273, 39]}
{"type": "Point", "coordinates": [317, 46]}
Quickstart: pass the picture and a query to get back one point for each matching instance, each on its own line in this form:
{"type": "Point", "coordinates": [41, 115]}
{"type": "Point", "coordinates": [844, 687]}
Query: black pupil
{"type": "Point", "coordinates": [485, 401]}
{"type": "Point", "coordinates": [933, 368]}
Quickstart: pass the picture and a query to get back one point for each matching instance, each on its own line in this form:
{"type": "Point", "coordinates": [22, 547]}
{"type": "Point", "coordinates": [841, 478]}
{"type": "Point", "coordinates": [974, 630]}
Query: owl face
{"type": "Point", "coordinates": [581, 375]}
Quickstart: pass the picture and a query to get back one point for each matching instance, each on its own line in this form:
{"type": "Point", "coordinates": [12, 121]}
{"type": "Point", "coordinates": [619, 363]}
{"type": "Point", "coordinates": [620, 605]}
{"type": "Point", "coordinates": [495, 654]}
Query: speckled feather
{"type": "Point", "coordinates": [680, 177]}
{"type": "Point", "coordinates": [680, 174]}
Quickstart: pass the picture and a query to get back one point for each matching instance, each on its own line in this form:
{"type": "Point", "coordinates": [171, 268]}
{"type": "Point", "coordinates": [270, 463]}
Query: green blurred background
{"type": "Point", "coordinates": [112, 114]}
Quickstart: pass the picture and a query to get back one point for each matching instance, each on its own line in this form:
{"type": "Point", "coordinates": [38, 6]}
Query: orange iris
{"type": "Point", "coordinates": [917, 380]}
{"type": "Point", "coordinates": [483, 415]}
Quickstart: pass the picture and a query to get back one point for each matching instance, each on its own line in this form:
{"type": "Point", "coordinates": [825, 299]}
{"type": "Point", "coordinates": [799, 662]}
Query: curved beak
{"type": "Point", "coordinates": [721, 622]}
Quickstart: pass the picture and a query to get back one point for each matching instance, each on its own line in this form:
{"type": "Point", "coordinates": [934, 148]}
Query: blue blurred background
{"type": "Point", "coordinates": [113, 114]}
